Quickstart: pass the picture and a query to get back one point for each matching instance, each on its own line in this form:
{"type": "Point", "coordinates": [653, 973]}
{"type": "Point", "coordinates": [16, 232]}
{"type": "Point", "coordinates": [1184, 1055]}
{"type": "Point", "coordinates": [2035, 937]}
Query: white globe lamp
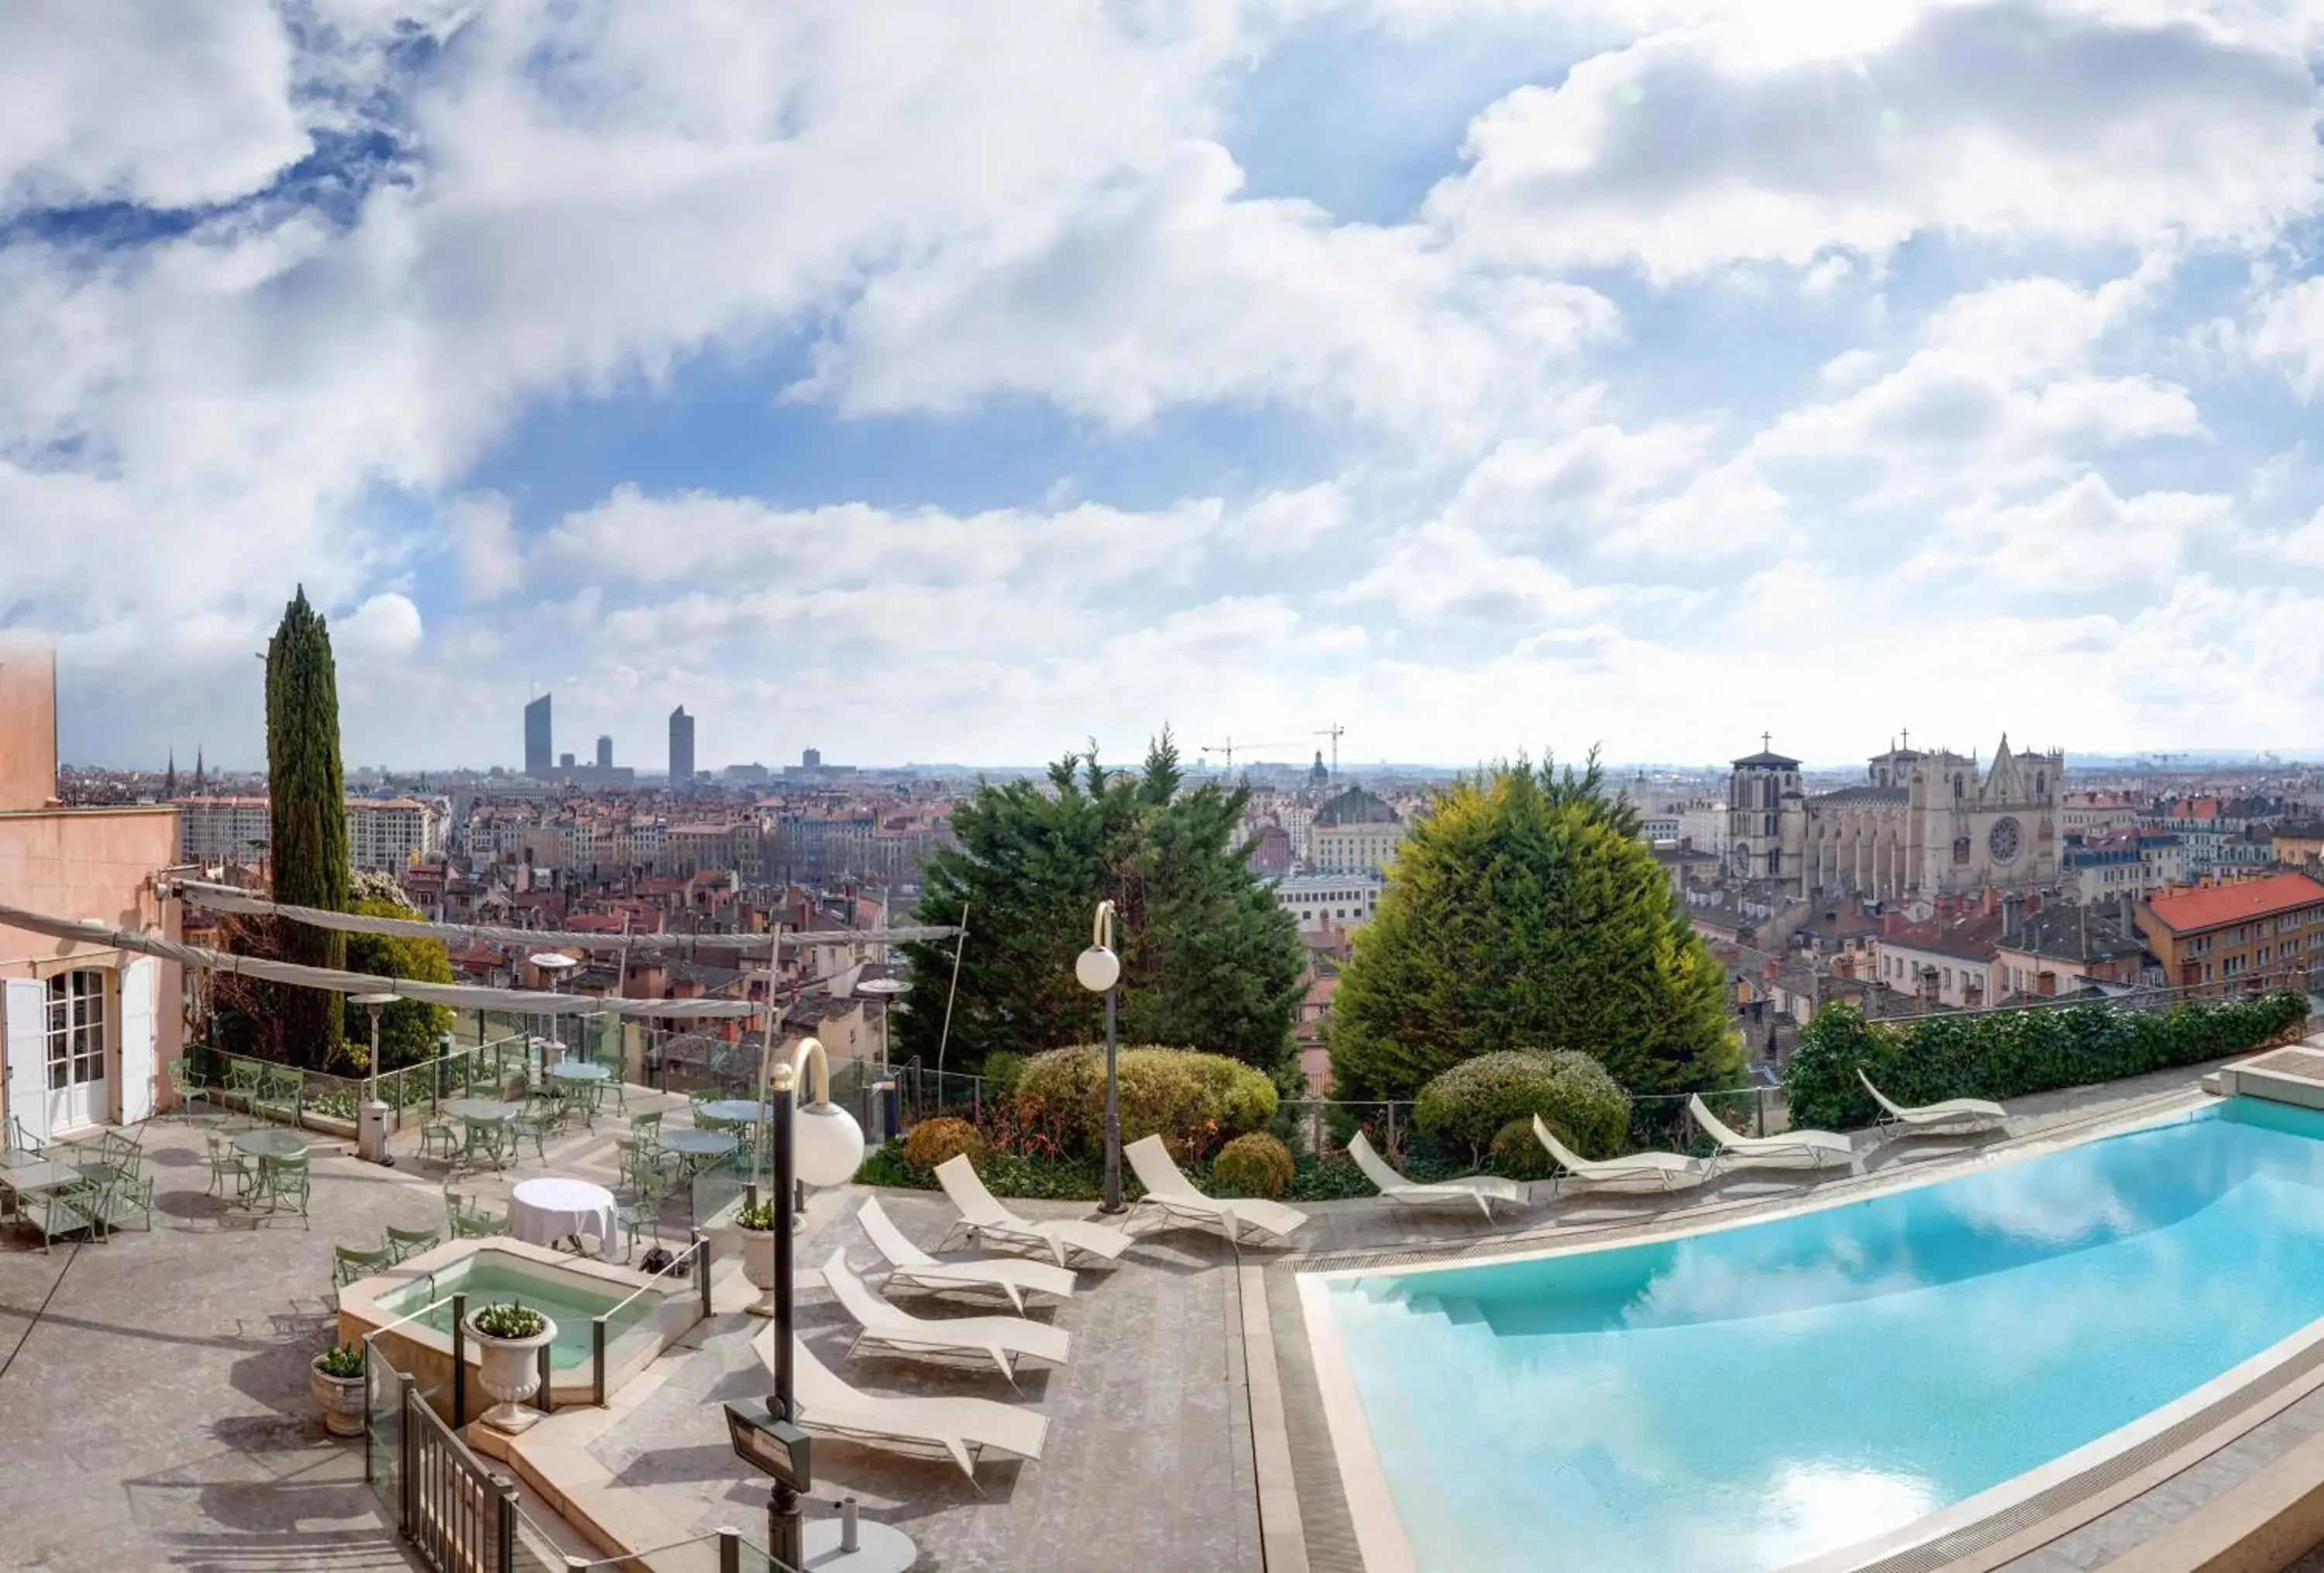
{"type": "Point", "coordinates": [1098, 968]}
{"type": "Point", "coordinates": [827, 1144]}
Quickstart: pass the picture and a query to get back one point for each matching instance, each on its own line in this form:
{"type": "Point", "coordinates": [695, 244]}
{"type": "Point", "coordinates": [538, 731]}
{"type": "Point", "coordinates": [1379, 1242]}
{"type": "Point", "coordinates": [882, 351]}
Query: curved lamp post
{"type": "Point", "coordinates": [1099, 970]}
{"type": "Point", "coordinates": [818, 1143]}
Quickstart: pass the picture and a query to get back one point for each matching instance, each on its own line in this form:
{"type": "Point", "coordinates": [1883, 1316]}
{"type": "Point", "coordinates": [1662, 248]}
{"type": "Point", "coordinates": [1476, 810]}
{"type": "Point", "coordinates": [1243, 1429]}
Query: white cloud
{"type": "Point", "coordinates": [484, 534]}
{"type": "Point", "coordinates": [1690, 151]}
{"type": "Point", "coordinates": [2288, 332]}
{"type": "Point", "coordinates": [1174, 289]}
{"type": "Point", "coordinates": [2079, 539]}
{"type": "Point", "coordinates": [386, 627]}
{"type": "Point", "coordinates": [143, 101]}
{"type": "Point", "coordinates": [1282, 523]}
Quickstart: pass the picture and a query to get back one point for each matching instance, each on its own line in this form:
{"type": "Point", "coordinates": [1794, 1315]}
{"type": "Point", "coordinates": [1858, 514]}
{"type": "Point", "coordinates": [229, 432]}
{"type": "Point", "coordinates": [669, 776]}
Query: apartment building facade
{"type": "Point", "coordinates": [2261, 932]}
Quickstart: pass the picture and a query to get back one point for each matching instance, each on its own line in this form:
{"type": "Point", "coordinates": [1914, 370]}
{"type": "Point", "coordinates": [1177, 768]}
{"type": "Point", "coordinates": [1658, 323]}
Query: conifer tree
{"type": "Point", "coordinates": [309, 848]}
{"type": "Point", "coordinates": [1522, 911]}
{"type": "Point", "coordinates": [1208, 960]}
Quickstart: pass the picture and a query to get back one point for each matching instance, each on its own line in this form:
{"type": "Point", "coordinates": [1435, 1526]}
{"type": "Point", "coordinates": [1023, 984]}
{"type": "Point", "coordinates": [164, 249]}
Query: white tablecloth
{"type": "Point", "coordinates": [544, 1211]}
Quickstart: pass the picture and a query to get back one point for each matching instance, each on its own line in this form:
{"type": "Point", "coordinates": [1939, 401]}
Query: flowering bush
{"type": "Point", "coordinates": [941, 1139]}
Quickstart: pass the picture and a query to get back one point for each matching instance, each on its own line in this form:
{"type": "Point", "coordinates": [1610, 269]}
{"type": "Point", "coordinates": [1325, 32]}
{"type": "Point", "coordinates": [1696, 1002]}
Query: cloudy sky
{"type": "Point", "coordinates": [960, 379]}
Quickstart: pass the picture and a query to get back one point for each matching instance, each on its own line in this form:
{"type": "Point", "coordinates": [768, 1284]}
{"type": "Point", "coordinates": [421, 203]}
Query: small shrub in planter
{"type": "Point", "coordinates": [337, 1384]}
{"type": "Point", "coordinates": [1518, 1154]}
{"type": "Point", "coordinates": [941, 1139]}
{"type": "Point", "coordinates": [1467, 1106]}
{"type": "Point", "coordinates": [1256, 1165]}
{"type": "Point", "coordinates": [757, 1225]}
{"type": "Point", "coordinates": [508, 1320]}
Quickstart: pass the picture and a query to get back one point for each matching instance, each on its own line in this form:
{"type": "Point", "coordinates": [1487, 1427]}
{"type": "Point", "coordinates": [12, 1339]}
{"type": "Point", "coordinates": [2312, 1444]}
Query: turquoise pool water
{"type": "Point", "coordinates": [568, 1301]}
{"type": "Point", "coordinates": [1738, 1402]}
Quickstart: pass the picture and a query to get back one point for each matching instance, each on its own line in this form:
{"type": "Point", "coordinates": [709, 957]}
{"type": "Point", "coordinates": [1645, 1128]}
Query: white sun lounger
{"type": "Point", "coordinates": [1480, 1190]}
{"type": "Point", "coordinates": [909, 1267]}
{"type": "Point", "coordinates": [1631, 1172]}
{"type": "Point", "coordinates": [963, 1429]}
{"type": "Point", "coordinates": [983, 1217]}
{"type": "Point", "coordinates": [1792, 1150]}
{"type": "Point", "coordinates": [1174, 1196]}
{"type": "Point", "coordinates": [1006, 1341]}
{"type": "Point", "coordinates": [1954, 1114]}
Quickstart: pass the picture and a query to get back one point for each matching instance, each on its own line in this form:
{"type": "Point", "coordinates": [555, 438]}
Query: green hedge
{"type": "Point", "coordinates": [2006, 1054]}
{"type": "Point", "coordinates": [1195, 1101]}
{"type": "Point", "coordinates": [1468, 1106]}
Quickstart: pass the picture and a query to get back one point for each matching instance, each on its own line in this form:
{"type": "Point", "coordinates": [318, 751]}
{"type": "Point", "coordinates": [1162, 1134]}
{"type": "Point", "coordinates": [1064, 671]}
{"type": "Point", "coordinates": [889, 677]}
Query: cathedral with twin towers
{"type": "Point", "coordinates": [1922, 824]}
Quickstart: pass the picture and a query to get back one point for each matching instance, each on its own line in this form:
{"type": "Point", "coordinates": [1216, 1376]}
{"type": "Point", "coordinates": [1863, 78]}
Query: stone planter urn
{"type": "Point", "coordinates": [342, 1398]}
{"type": "Point", "coordinates": [759, 1267]}
{"type": "Point", "coordinates": [511, 1371]}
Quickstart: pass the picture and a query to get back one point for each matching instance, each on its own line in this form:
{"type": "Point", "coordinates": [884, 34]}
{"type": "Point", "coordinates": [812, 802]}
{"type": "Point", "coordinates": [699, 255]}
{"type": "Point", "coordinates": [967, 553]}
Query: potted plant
{"type": "Point", "coordinates": [510, 1338]}
{"type": "Point", "coordinates": [336, 1376]}
{"type": "Point", "coordinates": [757, 1226]}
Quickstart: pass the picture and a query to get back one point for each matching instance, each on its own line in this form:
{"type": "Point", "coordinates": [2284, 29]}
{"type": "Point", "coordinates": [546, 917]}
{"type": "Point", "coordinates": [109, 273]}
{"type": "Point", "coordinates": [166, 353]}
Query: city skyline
{"type": "Point", "coordinates": [1403, 367]}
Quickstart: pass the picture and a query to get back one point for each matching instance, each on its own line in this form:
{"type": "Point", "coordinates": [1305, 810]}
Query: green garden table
{"type": "Point", "coordinates": [264, 1142]}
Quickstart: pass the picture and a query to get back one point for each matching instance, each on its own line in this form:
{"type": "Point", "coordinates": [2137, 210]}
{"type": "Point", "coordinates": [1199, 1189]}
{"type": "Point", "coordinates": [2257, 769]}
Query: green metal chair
{"type": "Point", "coordinates": [186, 1085]}
{"type": "Point", "coordinates": [537, 1121]}
{"type": "Point", "coordinates": [284, 1182]}
{"type": "Point", "coordinates": [439, 1138]}
{"type": "Point", "coordinates": [282, 1093]}
{"type": "Point", "coordinates": [68, 1209]}
{"type": "Point", "coordinates": [468, 1225]}
{"type": "Point", "coordinates": [405, 1244]}
{"type": "Point", "coordinates": [348, 1264]}
{"type": "Point", "coordinates": [226, 1164]}
{"type": "Point", "coordinates": [125, 1196]}
{"type": "Point", "coordinates": [14, 1138]}
{"type": "Point", "coordinates": [242, 1078]}
{"type": "Point", "coordinates": [486, 1141]}
{"type": "Point", "coordinates": [646, 1123]}
{"type": "Point", "coordinates": [642, 1208]}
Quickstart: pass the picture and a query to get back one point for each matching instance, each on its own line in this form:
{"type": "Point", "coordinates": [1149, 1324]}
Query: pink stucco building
{"type": "Point", "coordinates": [86, 1035]}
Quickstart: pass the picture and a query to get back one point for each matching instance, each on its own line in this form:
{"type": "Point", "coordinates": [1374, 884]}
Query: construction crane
{"type": "Point", "coordinates": [1231, 745]}
{"type": "Point", "coordinates": [1334, 732]}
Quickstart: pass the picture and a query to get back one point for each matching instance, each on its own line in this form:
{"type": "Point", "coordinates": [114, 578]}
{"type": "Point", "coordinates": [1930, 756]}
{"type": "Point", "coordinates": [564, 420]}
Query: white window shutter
{"type": "Point", "coordinates": [138, 981]}
{"type": "Point", "coordinates": [24, 1018]}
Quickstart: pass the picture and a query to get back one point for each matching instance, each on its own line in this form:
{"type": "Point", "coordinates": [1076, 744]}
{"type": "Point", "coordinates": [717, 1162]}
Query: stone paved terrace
{"type": "Point", "coordinates": [154, 1410]}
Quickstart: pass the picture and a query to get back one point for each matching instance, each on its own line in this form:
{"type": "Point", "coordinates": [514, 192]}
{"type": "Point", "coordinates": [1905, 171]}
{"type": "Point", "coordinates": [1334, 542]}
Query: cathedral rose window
{"type": "Point", "coordinates": [2005, 841]}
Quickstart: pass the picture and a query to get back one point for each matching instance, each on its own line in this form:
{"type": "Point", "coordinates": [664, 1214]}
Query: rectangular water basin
{"type": "Point", "coordinates": [1745, 1399]}
{"type": "Point", "coordinates": [412, 1303]}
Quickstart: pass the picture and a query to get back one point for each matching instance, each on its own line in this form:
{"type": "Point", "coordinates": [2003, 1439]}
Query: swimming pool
{"type": "Point", "coordinates": [1738, 1401]}
{"type": "Point", "coordinates": [487, 1278]}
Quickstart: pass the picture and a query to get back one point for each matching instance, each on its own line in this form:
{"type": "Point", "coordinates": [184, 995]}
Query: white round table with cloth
{"type": "Point", "coordinates": [543, 1212]}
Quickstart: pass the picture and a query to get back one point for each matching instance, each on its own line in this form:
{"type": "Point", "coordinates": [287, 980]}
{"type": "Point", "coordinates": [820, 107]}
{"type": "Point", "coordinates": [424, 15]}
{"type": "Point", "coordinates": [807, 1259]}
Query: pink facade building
{"type": "Point", "coordinates": [86, 1035]}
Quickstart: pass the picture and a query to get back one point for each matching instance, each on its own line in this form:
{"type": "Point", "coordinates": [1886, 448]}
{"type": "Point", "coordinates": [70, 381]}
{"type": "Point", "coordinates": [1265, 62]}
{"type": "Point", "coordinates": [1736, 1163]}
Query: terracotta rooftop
{"type": "Point", "coordinates": [2184, 912]}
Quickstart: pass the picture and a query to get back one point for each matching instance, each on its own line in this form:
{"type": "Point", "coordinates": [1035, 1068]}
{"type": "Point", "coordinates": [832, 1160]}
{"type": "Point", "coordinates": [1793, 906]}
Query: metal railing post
{"type": "Point", "coordinates": [542, 1400]}
{"type": "Point", "coordinates": [459, 1360]}
{"type": "Point", "coordinates": [406, 1497]}
{"type": "Point", "coordinates": [702, 1270]}
{"type": "Point", "coordinates": [1391, 1127]}
{"type": "Point", "coordinates": [729, 1551]}
{"type": "Point", "coordinates": [597, 1359]}
{"type": "Point", "coordinates": [504, 1527]}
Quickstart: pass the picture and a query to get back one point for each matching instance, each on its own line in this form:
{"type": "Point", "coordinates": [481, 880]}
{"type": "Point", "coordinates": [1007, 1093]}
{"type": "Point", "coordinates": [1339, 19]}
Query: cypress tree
{"type": "Point", "coordinates": [309, 851]}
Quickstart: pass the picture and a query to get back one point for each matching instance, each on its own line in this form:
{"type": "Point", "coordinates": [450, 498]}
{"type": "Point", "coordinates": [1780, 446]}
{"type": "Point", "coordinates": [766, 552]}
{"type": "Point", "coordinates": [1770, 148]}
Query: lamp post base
{"type": "Point", "coordinates": [880, 1549]}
